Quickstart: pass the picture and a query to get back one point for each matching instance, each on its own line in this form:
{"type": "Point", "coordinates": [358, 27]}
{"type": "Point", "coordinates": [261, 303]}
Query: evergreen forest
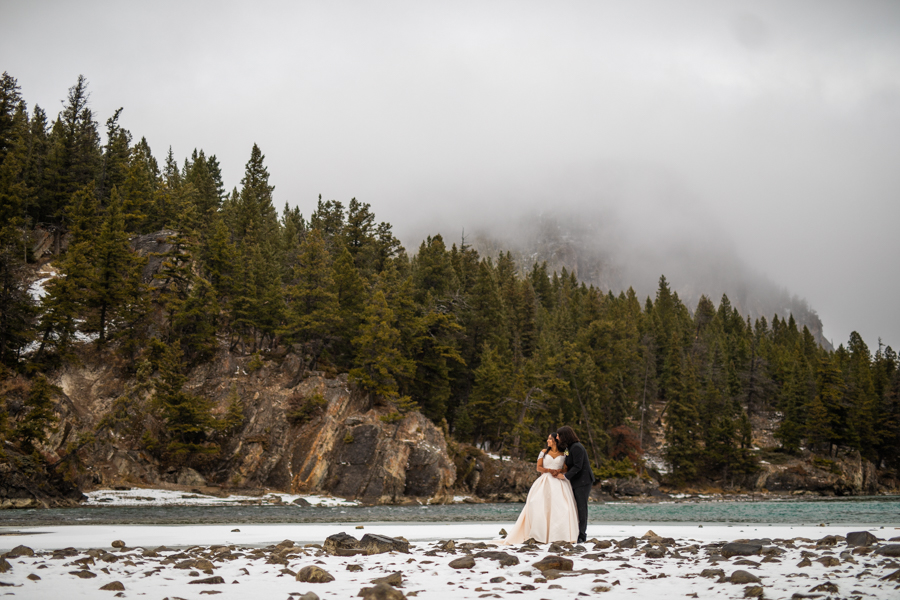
{"type": "Point", "coordinates": [497, 353]}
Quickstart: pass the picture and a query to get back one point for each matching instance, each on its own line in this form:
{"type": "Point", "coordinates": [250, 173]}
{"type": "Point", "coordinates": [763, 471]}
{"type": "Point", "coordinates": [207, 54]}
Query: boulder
{"type": "Point", "coordinates": [743, 577]}
{"type": "Point", "coordinates": [464, 562]}
{"type": "Point", "coordinates": [113, 586]}
{"type": "Point", "coordinates": [888, 550]}
{"type": "Point", "coordinates": [735, 549]}
{"type": "Point", "coordinates": [394, 579]}
{"type": "Point", "coordinates": [314, 574]}
{"type": "Point", "coordinates": [861, 538]}
{"type": "Point", "coordinates": [381, 591]}
{"type": "Point", "coordinates": [554, 562]}
{"type": "Point", "coordinates": [340, 541]}
{"type": "Point", "coordinates": [20, 551]}
{"type": "Point", "coordinates": [378, 544]}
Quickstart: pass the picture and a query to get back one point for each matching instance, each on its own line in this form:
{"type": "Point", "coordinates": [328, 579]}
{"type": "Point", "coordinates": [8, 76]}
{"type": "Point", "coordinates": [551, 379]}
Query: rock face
{"type": "Point", "coordinates": [338, 444]}
{"type": "Point", "coordinates": [846, 475]}
{"type": "Point", "coordinates": [24, 483]}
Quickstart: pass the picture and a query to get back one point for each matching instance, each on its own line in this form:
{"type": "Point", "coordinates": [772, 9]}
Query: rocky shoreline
{"type": "Point", "coordinates": [378, 566]}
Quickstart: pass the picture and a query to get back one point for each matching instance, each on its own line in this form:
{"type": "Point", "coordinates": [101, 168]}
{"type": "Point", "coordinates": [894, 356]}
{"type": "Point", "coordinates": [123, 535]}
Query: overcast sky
{"type": "Point", "coordinates": [778, 123]}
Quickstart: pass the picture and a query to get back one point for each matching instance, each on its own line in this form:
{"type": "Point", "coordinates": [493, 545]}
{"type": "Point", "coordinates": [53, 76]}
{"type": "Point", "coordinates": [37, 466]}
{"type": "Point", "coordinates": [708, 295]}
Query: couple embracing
{"type": "Point", "coordinates": [556, 508]}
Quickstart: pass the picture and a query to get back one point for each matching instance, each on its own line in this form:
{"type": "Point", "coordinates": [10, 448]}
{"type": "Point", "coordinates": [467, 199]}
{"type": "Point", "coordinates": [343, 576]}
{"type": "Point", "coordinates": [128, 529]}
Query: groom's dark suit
{"type": "Point", "coordinates": [581, 476]}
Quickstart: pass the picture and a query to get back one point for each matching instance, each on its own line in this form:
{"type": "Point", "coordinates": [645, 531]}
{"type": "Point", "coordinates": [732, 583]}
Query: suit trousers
{"type": "Point", "coordinates": [581, 494]}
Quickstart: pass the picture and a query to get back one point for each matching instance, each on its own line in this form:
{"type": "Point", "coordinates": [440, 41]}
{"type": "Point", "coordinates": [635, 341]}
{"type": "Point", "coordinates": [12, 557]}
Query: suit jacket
{"type": "Point", "coordinates": [580, 472]}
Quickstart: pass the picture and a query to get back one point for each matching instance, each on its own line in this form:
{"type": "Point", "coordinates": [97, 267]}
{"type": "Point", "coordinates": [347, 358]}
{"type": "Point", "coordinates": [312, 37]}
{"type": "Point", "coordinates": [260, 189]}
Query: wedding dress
{"type": "Point", "coordinates": [549, 514]}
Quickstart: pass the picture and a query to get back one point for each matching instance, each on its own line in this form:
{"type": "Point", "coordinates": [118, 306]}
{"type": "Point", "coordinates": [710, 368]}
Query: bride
{"type": "Point", "coordinates": [549, 514]}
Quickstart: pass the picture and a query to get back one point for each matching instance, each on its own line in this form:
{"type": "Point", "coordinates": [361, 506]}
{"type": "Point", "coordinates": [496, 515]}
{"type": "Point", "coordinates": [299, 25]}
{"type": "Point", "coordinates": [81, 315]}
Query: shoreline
{"type": "Point", "coordinates": [622, 560]}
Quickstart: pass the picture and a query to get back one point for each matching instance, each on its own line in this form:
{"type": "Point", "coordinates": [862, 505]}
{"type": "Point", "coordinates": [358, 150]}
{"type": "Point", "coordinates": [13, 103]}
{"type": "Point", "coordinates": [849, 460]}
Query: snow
{"type": "Point", "coordinates": [156, 497]}
{"type": "Point", "coordinates": [627, 573]}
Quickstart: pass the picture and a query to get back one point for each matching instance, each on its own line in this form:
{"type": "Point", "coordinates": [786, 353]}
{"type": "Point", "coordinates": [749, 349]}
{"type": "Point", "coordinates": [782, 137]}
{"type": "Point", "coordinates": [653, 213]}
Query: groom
{"type": "Point", "coordinates": [579, 474]}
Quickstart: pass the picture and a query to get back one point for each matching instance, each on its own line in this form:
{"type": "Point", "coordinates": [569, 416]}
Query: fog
{"type": "Point", "coordinates": [729, 142]}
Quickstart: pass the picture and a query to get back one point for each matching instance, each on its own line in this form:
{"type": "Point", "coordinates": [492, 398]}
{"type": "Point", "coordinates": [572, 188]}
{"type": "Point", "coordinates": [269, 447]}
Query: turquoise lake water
{"type": "Point", "coordinates": [879, 510]}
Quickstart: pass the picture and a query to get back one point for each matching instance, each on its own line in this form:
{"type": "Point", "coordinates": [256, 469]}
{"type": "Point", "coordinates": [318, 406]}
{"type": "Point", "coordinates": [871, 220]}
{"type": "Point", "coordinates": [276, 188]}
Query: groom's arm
{"type": "Point", "coordinates": [579, 458]}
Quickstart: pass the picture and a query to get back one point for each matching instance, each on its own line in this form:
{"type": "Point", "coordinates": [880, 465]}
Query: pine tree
{"type": "Point", "coordinates": [681, 422]}
{"type": "Point", "coordinates": [379, 361]}
{"type": "Point", "coordinates": [195, 322]}
{"type": "Point", "coordinates": [31, 428]}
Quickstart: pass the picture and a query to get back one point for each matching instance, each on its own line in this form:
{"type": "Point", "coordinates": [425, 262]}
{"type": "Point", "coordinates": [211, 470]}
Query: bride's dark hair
{"type": "Point", "coordinates": [555, 437]}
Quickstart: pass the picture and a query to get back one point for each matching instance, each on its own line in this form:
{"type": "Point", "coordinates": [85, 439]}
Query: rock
{"type": "Point", "coordinates": [301, 502]}
{"type": "Point", "coordinates": [314, 574]}
{"type": "Point", "coordinates": [861, 538]}
{"type": "Point", "coordinates": [85, 574]}
{"type": "Point", "coordinates": [598, 589]}
{"type": "Point", "coordinates": [503, 533]}
{"type": "Point", "coordinates": [804, 563]}
{"type": "Point", "coordinates": [4, 565]}
{"type": "Point", "coordinates": [465, 562]}
{"type": "Point", "coordinates": [393, 579]}
{"type": "Point", "coordinates": [888, 550]}
{"type": "Point", "coordinates": [109, 557]}
{"type": "Point", "coordinates": [34, 577]}
{"type": "Point", "coordinates": [381, 591]}
{"type": "Point", "coordinates": [113, 586]}
{"type": "Point", "coordinates": [309, 596]}
{"type": "Point", "coordinates": [753, 591]}
{"type": "Point", "coordinates": [340, 541]}
{"type": "Point", "coordinates": [741, 577]}
{"type": "Point", "coordinates": [448, 546]}
{"type": "Point", "coordinates": [204, 564]}
{"type": "Point", "coordinates": [505, 559]}
{"type": "Point", "coordinates": [354, 568]}
{"type": "Point", "coordinates": [829, 561]}
{"type": "Point", "coordinates": [630, 542]}
{"type": "Point", "coordinates": [215, 579]}
{"type": "Point", "coordinates": [502, 579]}
{"type": "Point", "coordinates": [118, 544]}
{"type": "Point", "coordinates": [735, 549]}
{"type": "Point", "coordinates": [825, 587]}
{"type": "Point", "coordinates": [554, 562]}
{"type": "Point", "coordinates": [378, 544]}
{"type": "Point", "coordinates": [190, 477]}
{"type": "Point", "coordinates": [655, 553]}
{"type": "Point", "coordinates": [20, 551]}
{"type": "Point", "coordinates": [602, 545]}
{"type": "Point", "coordinates": [895, 576]}
{"type": "Point", "coordinates": [712, 573]}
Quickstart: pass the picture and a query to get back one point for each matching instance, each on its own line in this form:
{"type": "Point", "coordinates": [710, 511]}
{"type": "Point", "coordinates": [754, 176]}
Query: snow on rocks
{"type": "Point", "coordinates": [407, 561]}
{"type": "Point", "coordinates": [159, 497]}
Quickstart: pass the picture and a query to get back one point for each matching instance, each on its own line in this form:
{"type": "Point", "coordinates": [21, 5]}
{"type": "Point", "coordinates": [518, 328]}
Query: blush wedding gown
{"type": "Point", "coordinates": [549, 514]}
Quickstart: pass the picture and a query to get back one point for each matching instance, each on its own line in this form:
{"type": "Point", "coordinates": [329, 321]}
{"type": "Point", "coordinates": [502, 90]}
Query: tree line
{"type": "Point", "coordinates": [497, 353]}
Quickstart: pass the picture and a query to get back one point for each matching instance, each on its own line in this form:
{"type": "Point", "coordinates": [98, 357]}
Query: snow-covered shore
{"type": "Point", "coordinates": [250, 563]}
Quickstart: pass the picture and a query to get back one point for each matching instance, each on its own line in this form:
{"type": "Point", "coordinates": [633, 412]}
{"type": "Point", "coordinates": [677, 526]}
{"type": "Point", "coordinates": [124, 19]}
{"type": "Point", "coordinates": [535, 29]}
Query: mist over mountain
{"type": "Point", "coordinates": [615, 226]}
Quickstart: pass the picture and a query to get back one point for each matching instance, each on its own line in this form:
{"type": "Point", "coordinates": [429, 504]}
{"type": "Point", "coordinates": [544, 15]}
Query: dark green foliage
{"type": "Point", "coordinates": [37, 415]}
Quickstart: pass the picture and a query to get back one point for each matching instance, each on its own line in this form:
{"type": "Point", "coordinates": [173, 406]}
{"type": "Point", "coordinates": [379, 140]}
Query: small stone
{"type": "Point", "coordinates": [109, 557]}
{"type": "Point", "coordinates": [448, 546]}
{"type": "Point", "coordinates": [826, 587]}
{"type": "Point", "coordinates": [85, 574]}
{"type": "Point", "coordinates": [735, 549]}
{"type": "Point", "coordinates": [739, 577]}
{"type": "Point", "coordinates": [380, 591]}
{"type": "Point", "coordinates": [753, 591]}
{"type": "Point", "coordinates": [465, 562]}
{"type": "Point", "coordinates": [118, 544]}
{"type": "Point", "coordinates": [630, 542]}
{"type": "Point", "coordinates": [554, 562]}
{"type": "Point", "coordinates": [602, 545]}
{"type": "Point", "coordinates": [502, 579]}
{"type": "Point", "coordinates": [895, 576]}
{"type": "Point", "coordinates": [20, 551]}
{"type": "Point", "coordinates": [340, 541]}
{"type": "Point", "coordinates": [599, 589]}
{"type": "Point", "coordinates": [309, 596]}
{"type": "Point", "coordinates": [804, 563]}
{"type": "Point", "coordinates": [360, 527]}
{"type": "Point", "coordinates": [528, 587]}
{"type": "Point", "coordinates": [209, 580]}
{"type": "Point", "coordinates": [712, 573]}
{"type": "Point", "coordinates": [34, 577]}
{"type": "Point", "coordinates": [4, 565]}
{"type": "Point", "coordinates": [829, 561]}
{"type": "Point", "coordinates": [314, 574]}
{"type": "Point", "coordinates": [503, 533]}
{"type": "Point", "coordinates": [354, 568]}
{"type": "Point", "coordinates": [655, 553]}
{"type": "Point", "coordinates": [235, 531]}
{"type": "Point", "coordinates": [393, 579]}
{"type": "Point", "coordinates": [113, 586]}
